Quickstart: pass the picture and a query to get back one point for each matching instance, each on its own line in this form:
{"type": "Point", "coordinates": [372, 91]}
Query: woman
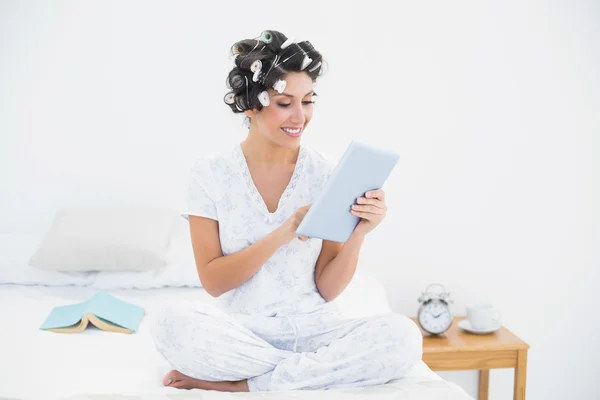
{"type": "Point", "coordinates": [275, 327]}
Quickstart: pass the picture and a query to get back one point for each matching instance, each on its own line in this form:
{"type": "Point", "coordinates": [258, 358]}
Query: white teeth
{"type": "Point", "coordinates": [291, 130]}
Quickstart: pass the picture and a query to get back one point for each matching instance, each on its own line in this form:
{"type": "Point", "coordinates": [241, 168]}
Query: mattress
{"type": "Point", "coordinates": [99, 365]}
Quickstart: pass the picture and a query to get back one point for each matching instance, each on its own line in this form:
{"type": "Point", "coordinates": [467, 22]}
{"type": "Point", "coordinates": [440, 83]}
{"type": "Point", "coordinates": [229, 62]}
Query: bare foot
{"type": "Point", "coordinates": [178, 380]}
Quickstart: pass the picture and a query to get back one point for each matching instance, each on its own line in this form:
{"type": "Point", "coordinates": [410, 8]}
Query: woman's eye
{"type": "Point", "coordinates": [283, 105]}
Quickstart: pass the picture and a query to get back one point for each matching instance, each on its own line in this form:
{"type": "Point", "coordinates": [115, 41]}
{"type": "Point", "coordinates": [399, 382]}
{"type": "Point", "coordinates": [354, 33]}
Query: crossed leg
{"type": "Point", "coordinates": [211, 350]}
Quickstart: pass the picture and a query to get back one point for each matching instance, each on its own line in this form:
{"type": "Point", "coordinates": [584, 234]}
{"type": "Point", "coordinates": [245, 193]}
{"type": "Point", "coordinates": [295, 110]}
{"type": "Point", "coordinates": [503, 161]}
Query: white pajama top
{"type": "Point", "coordinates": [221, 188]}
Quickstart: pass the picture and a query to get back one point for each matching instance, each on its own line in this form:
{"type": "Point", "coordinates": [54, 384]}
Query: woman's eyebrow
{"type": "Point", "coordinates": [289, 95]}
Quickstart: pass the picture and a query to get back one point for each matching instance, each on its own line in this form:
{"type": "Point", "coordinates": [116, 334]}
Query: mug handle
{"type": "Point", "coordinates": [497, 316]}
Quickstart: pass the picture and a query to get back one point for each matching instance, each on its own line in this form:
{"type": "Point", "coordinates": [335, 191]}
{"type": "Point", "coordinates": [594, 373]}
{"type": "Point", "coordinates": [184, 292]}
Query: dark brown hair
{"type": "Point", "coordinates": [244, 90]}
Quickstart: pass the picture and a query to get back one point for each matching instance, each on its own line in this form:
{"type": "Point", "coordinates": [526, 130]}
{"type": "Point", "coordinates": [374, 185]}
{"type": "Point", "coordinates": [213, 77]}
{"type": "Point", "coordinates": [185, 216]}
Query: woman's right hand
{"type": "Point", "coordinates": [289, 227]}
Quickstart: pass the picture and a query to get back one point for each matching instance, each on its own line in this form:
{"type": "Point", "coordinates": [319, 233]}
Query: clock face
{"type": "Point", "coordinates": [435, 317]}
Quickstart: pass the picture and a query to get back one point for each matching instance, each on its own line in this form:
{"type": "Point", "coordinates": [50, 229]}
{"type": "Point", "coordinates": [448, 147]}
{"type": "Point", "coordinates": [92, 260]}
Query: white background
{"type": "Point", "coordinates": [493, 107]}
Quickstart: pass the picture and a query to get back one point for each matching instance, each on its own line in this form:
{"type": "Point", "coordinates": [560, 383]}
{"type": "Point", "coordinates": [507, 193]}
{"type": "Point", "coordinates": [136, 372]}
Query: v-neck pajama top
{"type": "Point", "coordinates": [221, 188]}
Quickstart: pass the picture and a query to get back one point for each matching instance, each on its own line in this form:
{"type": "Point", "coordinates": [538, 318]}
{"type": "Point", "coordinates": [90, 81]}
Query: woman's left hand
{"type": "Point", "coordinates": [371, 209]}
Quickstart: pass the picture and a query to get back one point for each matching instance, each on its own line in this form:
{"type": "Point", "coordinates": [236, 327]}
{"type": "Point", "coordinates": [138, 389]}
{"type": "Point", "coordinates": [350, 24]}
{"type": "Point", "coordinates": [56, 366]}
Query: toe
{"type": "Point", "coordinates": [171, 378]}
{"type": "Point", "coordinates": [183, 384]}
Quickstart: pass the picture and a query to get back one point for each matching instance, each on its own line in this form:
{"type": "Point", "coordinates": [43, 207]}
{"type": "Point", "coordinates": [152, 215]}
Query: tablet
{"type": "Point", "coordinates": [361, 168]}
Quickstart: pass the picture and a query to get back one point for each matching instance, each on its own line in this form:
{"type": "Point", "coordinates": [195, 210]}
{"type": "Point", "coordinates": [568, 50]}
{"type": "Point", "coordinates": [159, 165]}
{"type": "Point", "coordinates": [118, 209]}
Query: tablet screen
{"type": "Point", "coordinates": [361, 168]}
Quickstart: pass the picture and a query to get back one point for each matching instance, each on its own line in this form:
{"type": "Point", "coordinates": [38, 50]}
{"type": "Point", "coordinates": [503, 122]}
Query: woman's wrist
{"type": "Point", "coordinates": [358, 234]}
{"type": "Point", "coordinates": [281, 236]}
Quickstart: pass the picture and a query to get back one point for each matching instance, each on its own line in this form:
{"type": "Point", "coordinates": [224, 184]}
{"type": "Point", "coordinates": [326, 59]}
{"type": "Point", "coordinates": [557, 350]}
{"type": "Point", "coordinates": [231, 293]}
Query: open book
{"type": "Point", "coordinates": [104, 311]}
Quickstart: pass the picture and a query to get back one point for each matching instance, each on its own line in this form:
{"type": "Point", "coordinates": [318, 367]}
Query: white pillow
{"type": "Point", "coordinates": [364, 296]}
{"type": "Point", "coordinates": [181, 270]}
{"type": "Point", "coordinates": [106, 239]}
{"type": "Point", "coordinates": [16, 250]}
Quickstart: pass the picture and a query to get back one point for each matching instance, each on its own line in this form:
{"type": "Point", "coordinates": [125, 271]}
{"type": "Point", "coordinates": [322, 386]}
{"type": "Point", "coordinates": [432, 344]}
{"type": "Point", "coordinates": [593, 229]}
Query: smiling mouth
{"type": "Point", "coordinates": [292, 131]}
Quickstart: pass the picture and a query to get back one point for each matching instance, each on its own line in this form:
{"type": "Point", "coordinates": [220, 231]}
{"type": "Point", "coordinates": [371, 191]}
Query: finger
{"type": "Point", "coordinates": [366, 215]}
{"type": "Point", "coordinates": [303, 210]}
{"type": "Point", "coordinates": [376, 193]}
{"type": "Point", "coordinates": [368, 208]}
{"type": "Point", "coordinates": [303, 238]}
{"type": "Point", "coordinates": [375, 202]}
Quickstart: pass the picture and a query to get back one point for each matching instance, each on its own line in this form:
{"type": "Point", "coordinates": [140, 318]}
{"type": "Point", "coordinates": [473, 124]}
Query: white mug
{"type": "Point", "coordinates": [483, 316]}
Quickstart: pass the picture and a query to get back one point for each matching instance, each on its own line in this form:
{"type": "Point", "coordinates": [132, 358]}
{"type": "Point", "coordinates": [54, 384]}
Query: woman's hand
{"type": "Point", "coordinates": [287, 231]}
{"type": "Point", "coordinates": [371, 209]}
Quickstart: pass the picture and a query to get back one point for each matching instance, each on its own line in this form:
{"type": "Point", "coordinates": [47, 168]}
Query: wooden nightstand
{"type": "Point", "coordinates": [460, 350]}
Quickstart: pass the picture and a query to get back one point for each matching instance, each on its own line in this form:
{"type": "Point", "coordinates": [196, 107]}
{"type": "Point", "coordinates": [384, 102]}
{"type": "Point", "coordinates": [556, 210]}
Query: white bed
{"type": "Point", "coordinates": [99, 365]}
{"type": "Point", "coordinates": [96, 365]}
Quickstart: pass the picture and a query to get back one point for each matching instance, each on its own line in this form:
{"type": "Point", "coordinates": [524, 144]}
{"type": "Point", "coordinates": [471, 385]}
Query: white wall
{"type": "Point", "coordinates": [492, 106]}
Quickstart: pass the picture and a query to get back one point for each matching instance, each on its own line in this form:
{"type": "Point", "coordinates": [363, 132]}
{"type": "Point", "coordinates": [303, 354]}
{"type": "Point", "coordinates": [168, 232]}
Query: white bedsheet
{"type": "Point", "coordinates": [36, 364]}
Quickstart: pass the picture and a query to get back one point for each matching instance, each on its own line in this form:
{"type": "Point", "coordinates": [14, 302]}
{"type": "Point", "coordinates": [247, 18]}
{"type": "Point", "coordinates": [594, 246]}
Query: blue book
{"type": "Point", "coordinates": [104, 311]}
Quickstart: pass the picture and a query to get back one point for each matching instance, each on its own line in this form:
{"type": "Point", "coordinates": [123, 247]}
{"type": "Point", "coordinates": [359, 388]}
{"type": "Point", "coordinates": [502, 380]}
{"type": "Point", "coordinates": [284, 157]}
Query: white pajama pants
{"type": "Point", "coordinates": [307, 351]}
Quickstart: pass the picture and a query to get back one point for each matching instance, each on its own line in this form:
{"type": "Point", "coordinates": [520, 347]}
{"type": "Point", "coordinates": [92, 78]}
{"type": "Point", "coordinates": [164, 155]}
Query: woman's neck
{"type": "Point", "coordinates": [260, 151]}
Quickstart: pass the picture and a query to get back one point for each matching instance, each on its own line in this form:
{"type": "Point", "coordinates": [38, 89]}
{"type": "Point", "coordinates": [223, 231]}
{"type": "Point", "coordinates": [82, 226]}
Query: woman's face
{"type": "Point", "coordinates": [284, 120]}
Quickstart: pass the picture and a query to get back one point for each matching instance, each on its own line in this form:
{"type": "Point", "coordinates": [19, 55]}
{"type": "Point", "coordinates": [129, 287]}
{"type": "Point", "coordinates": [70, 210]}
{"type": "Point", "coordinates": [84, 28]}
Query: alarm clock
{"type": "Point", "coordinates": [434, 314]}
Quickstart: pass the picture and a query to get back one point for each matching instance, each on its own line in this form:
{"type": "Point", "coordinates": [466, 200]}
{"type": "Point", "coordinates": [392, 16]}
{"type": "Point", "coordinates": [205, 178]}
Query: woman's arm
{"type": "Point", "coordinates": [219, 273]}
{"type": "Point", "coordinates": [336, 265]}
{"type": "Point", "coordinates": [337, 262]}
